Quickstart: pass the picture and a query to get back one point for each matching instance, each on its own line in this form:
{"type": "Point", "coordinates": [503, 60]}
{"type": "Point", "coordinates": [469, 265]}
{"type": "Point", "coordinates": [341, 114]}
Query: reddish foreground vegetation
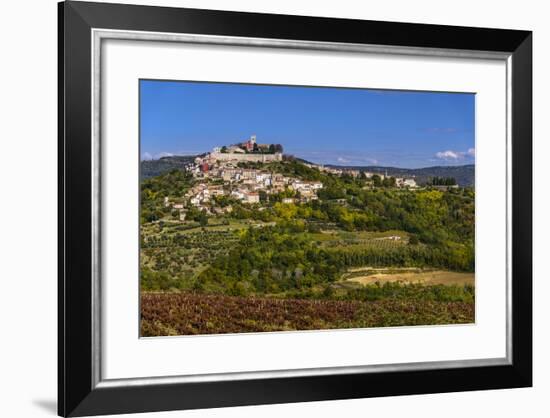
{"type": "Point", "coordinates": [190, 313]}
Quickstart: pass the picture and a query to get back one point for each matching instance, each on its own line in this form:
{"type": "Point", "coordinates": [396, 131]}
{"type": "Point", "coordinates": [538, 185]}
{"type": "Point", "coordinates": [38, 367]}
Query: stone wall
{"type": "Point", "coordinates": [263, 158]}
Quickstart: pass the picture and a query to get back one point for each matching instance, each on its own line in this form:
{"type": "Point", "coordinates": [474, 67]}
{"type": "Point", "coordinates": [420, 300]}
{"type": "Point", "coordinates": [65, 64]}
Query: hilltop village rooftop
{"type": "Point", "coordinates": [227, 177]}
{"type": "Point", "coordinates": [245, 185]}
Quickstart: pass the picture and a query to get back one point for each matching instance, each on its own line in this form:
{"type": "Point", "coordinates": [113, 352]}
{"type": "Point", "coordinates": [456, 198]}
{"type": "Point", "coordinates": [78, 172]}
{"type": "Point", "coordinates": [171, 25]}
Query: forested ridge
{"type": "Point", "coordinates": [286, 263]}
{"type": "Point", "coordinates": [284, 247]}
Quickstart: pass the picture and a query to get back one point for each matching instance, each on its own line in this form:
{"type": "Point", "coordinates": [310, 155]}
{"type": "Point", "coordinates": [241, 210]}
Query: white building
{"type": "Point", "coordinates": [251, 197]}
{"type": "Point", "coordinates": [233, 149]}
{"type": "Point", "coordinates": [410, 183]}
{"type": "Point", "coordinates": [237, 194]}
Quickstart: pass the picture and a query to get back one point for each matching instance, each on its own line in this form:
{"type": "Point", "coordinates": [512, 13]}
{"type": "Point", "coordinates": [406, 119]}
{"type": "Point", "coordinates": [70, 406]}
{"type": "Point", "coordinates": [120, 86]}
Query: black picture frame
{"type": "Point", "coordinates": [77, 393]}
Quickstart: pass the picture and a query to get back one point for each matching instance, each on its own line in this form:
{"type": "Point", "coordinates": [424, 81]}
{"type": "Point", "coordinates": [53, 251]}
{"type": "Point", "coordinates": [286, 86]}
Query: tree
{"type": "Point", "coordinates": [389, 182]}
{"type": "Point", "coordinates": [449, 181]}
{"type": "Point", "coordinates": [224, 150]}
{"type": "Point", "coordinates": [413, 240]}
{"type": "Point", "coordinates": [443, 181]}
{"type": "Point", "coordinates": [203, 219]}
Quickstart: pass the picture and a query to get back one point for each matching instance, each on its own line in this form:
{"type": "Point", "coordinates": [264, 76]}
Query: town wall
{"type": "Point", "coordinates": [263, 158]}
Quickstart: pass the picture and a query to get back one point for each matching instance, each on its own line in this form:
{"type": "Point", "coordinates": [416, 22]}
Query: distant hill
{"type": "Point", "coordinates": [151, 168]}
{"type": "Point", "coordinates": [463, 174]}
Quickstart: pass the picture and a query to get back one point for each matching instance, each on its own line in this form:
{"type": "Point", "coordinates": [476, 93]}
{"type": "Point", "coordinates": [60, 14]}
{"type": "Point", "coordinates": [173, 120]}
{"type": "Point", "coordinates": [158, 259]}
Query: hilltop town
{"type": "Point", "coordinates": [244, 172]}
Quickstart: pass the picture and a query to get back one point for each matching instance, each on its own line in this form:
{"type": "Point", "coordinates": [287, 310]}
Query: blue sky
{"type": "Point", "coordinates": [320, 124]}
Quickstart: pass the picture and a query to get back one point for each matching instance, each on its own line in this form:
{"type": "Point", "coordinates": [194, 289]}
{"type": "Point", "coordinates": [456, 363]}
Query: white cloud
{"type": "Point", "coordinates": [164, 154]}
{"type": "Point", "coordinates": [356, 160]}
{"type": "Point", "coordinates": [449, 155]}
{"type": "Point", "coordinates": [146, 156]}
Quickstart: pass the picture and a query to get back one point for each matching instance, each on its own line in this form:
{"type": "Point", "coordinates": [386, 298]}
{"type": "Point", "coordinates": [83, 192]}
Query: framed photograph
{"type": "Point", "coordinates": [262, 208]}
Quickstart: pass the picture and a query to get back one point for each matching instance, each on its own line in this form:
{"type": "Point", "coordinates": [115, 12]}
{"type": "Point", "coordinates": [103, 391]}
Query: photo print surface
{"type": "Point", "coordinates": [269, 208]}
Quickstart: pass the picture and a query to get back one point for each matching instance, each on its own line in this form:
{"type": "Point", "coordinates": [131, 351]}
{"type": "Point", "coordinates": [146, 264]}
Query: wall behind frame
{"type": "Point", "coordinates": [28, 209]}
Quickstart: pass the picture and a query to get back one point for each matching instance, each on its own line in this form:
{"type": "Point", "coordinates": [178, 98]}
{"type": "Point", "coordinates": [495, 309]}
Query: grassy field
{"type": "Point", "coordinates": [184, 249]}
{"type": "Point", "coordinates": [189, 313]}
{"type": "Point", "coordinates": [362, 297]}
{"type": "Point", "coordinates": [369, 275]}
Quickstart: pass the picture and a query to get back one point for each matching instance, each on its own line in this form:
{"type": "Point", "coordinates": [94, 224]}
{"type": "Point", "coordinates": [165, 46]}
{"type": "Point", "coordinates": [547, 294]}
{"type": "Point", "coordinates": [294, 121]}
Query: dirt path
{"type": "Point", "coordinates": [425, 277]}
